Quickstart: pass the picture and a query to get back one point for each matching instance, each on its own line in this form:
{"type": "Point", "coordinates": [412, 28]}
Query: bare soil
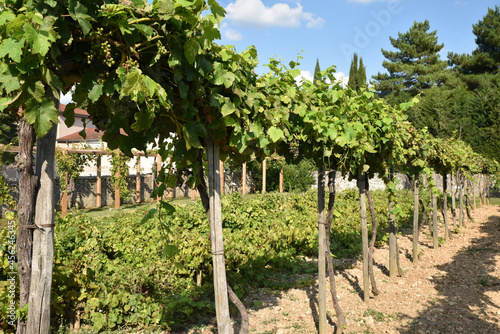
{"type": "Point", "coordinates": [452, 289]}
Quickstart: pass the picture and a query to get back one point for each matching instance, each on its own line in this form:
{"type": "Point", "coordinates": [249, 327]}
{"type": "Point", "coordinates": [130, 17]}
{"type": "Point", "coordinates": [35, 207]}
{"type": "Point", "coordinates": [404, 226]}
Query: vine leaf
{"type": "Point", "coordinates": [13, 48]}
{"type": "Point", "coordinates": [275, 134]}
{"type": "Point", "coordinates": [41, 39]}
{"type": "Point", "coordinates": [43, 117]}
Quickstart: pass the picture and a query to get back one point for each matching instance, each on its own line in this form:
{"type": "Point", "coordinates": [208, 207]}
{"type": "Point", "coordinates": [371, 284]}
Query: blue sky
{"type": "Point", "coordinates": [332, 30]}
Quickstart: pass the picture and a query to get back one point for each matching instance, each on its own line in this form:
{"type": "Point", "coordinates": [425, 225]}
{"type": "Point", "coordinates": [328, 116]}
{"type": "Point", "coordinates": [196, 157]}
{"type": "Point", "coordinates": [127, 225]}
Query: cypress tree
{"type": "Point", "coordinates": [316, 71]}
{"type": "Point", "coordinates": [357, 74]}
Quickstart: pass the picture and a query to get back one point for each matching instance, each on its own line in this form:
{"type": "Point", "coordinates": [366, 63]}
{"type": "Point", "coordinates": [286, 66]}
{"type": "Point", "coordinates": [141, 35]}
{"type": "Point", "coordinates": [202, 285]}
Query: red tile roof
{"type": "Point", "coordinates": [91, 134]}
{"type": "Point", "coordinates": [78, 111]}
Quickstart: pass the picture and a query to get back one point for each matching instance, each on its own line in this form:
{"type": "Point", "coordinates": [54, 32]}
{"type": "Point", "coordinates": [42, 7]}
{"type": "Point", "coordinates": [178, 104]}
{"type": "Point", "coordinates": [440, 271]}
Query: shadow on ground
{"type": "Point", "coordinates": [468, 290]}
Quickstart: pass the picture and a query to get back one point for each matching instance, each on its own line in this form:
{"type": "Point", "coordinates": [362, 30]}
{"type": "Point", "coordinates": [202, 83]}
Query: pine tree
{"type": "Point", "coordinates": [486, 57]}
{"type": "Point", "coordinates": [413, 67]}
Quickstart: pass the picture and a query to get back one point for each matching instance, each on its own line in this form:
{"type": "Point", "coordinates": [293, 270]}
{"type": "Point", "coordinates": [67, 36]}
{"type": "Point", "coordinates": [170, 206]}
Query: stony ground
{"type": "Point", "coordinates": [452, 289]}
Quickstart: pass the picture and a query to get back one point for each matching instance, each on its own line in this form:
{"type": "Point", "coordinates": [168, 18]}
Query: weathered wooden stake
{"type": "Point", "coordinates": [98, 183]}
{"type": "Point", "coordinates": [158, 169]}
{"type": "Point", "coordinates": [435, 241]}
{"type": "Point", "coordinates": [264, 163]}
{"type": "Point", "coordinates": [215, 217]}
{"type": "Point", "coordinates": [244, 179]}
{"type": "Point", "coordinates": [43, 238]}
{"type": "Point", "coordinates": [445, 206]}
{"type": "Point", "coordinates": [281, 180]}
{"type": "Point", "coordinates": [64, 200]}
{"type": "Point", "coordinates": [222, 177]}
{"type": "Point", "coordinates": [415, 217]}
{"type": "Point", "coordinates": [26, 211]}
{"type": "Point", "coordinates": [364, 235]}
{"type": "Point", "coordinates": [321, 252]}
{"type": "Point", "coordinates": [138, 181]}
{"type": "Point", "coordinates": [117, 188]}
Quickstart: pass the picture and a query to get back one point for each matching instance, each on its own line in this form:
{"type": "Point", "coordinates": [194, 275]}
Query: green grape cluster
{"type": "Point", "coordinates": [100, 49]}
{"type": "Point", "coordinates": [130, 63]}
{"type": "Point", "coordinates": [294, 148]}
{"type": "Point", "coordinates": [162, 50]}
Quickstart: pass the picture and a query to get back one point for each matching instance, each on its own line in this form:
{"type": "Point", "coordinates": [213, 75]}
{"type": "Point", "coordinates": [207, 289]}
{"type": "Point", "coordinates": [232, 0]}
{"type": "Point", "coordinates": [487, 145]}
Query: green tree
{"type": "Point", "coordinates": [413, 67]}
{"type": "Point", "coordinates": [317, 70]}
{"type": "Point", "coordinates": [357, 74]}
{"type": "Point", "coordinates": [486, 57]}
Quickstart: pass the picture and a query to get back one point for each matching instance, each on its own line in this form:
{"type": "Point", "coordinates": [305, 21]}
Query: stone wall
{"type": "Point", "coordinates": [84, 195]}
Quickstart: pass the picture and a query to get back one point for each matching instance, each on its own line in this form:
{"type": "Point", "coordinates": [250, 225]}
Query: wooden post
{"type": "Point", "coordinates": [158, 169]}
{"type": "Point", "coordinates": [117, 188]}
{"type": "Point", "coordinates": [393, 241]}
{"type": "Point", "coordinates": [415, 217]}
{"type": "Point", "coordinates": [364, 235]}
{"type": "Point", "coordinates": [264, 176]}
{"type": "Point", "coordinates": [98, 183]}
{"type": "Point", "coordinates": [445, 206]}
{"type": "Point", "coordinates": [221, 177]}
{"type": "Point", "coordinates": [281, 180]}
{"type": "Point", "coordinates": [64, 200]}
{"type": "Point", "coordinates": [244, 178]}
{"type": "Point", "coordinates": [321, 252]}
{"type": "Point", "coordinates": [138, 181]}
{"type": "Point", "coordinates": [43, 238]}
{"type": "Point", "coordinates": [215, 217]}
{"type": "Point", "coordinates": [26, 212]}
{"type": "Point", "coordinates": [435, 241]}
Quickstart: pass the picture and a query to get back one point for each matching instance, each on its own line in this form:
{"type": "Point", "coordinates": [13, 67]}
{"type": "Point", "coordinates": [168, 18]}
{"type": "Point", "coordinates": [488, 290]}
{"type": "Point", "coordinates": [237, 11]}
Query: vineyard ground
{"type": "Point", "coordinates": [454, 289]}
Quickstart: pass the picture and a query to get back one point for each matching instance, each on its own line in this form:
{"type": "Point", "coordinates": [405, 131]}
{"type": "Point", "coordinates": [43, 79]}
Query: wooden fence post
{"type": "Point", "coordinates": [158, 168]}
{"type": "Point", "coordinates": [264, 176]}
{"type": "Point", "coordinates": [281, 180]}
{"type": "Point", "coordinates": [64, 200]}
{"type": "Point", "coordinates": [221, 177]}
{"type": "Point", "coordinates": [244, 178]}
{"type": "Point", "coordinates": [117, 188]}
{"type": "Point", "coordinates": [215, 217]}
{"type": "Point", "coordinates": [98, 183]}
{"type": "Point", "coordinates": [138, 181]}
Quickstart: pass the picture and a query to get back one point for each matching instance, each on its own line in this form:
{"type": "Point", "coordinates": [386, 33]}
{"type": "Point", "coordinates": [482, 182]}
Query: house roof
{"type": "Point", "coordinates": [78, 111]}
{"type": "Point", "coordinates": [91, 134]}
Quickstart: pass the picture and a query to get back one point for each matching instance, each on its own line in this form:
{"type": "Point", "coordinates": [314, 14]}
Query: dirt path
{"type": "Point", "coordinates": [454, 289]}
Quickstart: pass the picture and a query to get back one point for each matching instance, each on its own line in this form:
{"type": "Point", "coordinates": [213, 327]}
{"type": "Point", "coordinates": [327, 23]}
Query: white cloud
{"type": "Point", "coordinates": [307, 75]}
{"type": "Point", "coordinates": [255, 13]}
{"type": "Point", "coordinates": [340, 76]}
{"type": "Point", "coordinates": [66, 98]}
{"type": "Point", "coordinates": [304, 75]}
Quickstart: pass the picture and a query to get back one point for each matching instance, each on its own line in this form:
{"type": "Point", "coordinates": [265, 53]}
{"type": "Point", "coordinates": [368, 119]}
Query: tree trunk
{"type": "Point", "coordinates": [26, 210]}
{"type": "Point", "coordinates": [321, 251]}
{"type": "Point", "coordinates": [445, 206]}
{"type": "Point", "coordinates": [364, 235]}
{"type": "Point", "coordinates": [264, 177]}
{"type": "Point", "coordinates": [415, 218]}
{"type": "Point", "coordinates": [331, 271]}
{"type": "Point", "coordinates": [372, 242]}
{"type": "Point", "coordinates": [435, 241]}
{"type": "Point", "coordinates": [473, 186]}
{"type": "Point", "coordinates": [215, 218]}
{"type": "Point", "coordinates": [43, 237]}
